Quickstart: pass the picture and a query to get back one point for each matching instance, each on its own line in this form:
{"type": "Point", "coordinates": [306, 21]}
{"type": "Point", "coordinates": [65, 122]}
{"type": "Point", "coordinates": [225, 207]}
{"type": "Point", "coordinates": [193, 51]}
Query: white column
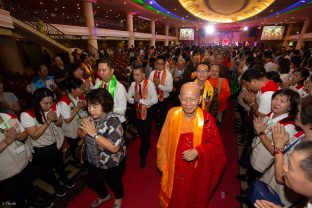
{"type": "Point", "coordinates": [177, 35]}
{"type": "Point", "coordinates": [153, 40]}
{"type": "Point", "coordinates": [167, 35]}
{"type": "Point", "coordinates": [88, 14]}
{"type": "Point", "coordinates": [304, 29]}
{"type": "Point", "coordinates": [130, 29]}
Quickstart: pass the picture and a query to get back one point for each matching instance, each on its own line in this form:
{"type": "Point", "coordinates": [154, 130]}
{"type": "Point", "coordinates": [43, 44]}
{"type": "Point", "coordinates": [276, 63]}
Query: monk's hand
{"type": "Point", "coordinates": [265, 204]}
{"type": "Point", "coordinates": [190, 154]}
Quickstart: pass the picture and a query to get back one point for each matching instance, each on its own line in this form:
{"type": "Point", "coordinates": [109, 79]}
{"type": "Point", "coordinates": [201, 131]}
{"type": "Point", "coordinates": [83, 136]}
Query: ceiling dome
{"type": "Point", "coordinates": [225, 11]}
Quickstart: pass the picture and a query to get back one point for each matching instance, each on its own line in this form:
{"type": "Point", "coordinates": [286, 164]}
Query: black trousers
{"type": "Point", "coordinates": [160, 111]}
{"type": "Point", "coordinates": [48, 158]}
{"type": "Point", "coordinates": [144, 130]}
{"type": "Point", "coordinates": [112, 177]}
{"type": "Point", "coordinates": [73, 143]}
{"type": "Point", "coordinates": [20, 187]}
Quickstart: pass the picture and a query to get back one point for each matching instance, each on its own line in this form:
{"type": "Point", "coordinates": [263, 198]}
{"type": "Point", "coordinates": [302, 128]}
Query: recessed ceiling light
{"type": "Point", "coordinates": [63, 7]}
{"type": "Point", "coordinates": [40, 3]}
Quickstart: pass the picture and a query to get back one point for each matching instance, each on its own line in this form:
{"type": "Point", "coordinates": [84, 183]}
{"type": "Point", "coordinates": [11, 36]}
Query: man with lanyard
{"type": "Point", "coordinates": [163, 82]}
{"type": "Point", "coordinates": [108, 81]}
{"type": "Point", "coordinates": [190, 153]}
{"type": "Point", "coordinates": [142, 93]}
{"type": "Point", "coordinates": [72, 108]}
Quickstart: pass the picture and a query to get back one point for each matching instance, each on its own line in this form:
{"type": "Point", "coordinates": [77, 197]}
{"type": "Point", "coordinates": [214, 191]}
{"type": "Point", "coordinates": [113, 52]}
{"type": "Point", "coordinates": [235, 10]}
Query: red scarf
{"type": "Point", "coordinates": [141, 110]}
{"type": "Point", "coordinates": [162, 82]}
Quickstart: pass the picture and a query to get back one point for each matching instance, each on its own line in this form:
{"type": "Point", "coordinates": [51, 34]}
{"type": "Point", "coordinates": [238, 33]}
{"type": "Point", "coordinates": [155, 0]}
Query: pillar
{"type": "Point", "coordinates": [92, 38]}
{"type": "Point", "coordinates": [130, 29]}
{"type": "Point", "coordinates": [9, 54]}
{"type": "Point", "coordinates": [167, 35]}
{"type": "Point", "coordinates": [153, 40]}
{"type": "Point", "coordinates": [304, 29]}
{"type": "Point", "coordinates": [289, 29]}
{"type": "Point", "coordinates": [177, 35]}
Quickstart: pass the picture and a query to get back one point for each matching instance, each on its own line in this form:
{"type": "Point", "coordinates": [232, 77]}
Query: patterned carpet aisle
{"type": "Point", "coordinates": [229, 187]}
{"type": "Point", "coordinates": [142, 185]}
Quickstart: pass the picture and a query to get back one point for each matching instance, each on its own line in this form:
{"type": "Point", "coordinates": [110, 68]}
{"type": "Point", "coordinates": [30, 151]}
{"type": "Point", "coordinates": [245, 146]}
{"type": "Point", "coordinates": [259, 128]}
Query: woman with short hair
{"type": "Point", "coordinates": [106, 148]}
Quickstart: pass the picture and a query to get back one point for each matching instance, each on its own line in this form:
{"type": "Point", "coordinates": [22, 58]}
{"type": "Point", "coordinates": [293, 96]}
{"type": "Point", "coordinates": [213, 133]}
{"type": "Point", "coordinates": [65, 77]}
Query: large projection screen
{"type": "Point", "coordinates": [272, 33]}
{"type": "Point", "coordinates": [186, 34]}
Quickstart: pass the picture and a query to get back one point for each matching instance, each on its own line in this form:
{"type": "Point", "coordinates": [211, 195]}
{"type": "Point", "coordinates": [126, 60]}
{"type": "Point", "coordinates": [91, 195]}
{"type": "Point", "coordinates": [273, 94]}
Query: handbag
{"type": "Point", "coordinates": [260, 190]}
{"type": "Point", "coordinates": [81, 151]}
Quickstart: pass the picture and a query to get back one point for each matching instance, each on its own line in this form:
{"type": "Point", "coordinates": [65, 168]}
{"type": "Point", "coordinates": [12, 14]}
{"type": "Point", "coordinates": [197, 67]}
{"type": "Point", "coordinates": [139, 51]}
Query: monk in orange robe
{"type": "Point", "coordinates": [223, 88]}
{"type": "Point", "coordinates": [190, 153]}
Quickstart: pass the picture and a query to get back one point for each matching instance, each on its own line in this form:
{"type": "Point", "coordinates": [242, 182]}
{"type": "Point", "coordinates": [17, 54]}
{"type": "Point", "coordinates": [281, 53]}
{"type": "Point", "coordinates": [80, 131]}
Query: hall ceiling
{"type": "Point", "coordinates": [176, 15]}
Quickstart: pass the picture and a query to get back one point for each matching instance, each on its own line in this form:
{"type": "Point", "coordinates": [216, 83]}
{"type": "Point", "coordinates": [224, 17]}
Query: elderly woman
{"type": "Point", "coordinates": [105, 147]}
{"type": "Point", "coordinates": [285, 163]}
{"type": "Point", "coordinates": [283, 110]}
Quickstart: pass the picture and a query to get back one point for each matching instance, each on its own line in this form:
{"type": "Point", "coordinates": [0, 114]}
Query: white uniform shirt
{"type": "Point", "coordinates": [66, 106]}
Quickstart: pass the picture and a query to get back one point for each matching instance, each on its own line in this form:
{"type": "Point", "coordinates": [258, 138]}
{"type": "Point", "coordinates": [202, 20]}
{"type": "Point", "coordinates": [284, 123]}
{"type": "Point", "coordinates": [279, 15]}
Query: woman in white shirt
{"type": "Point", "coordinates": [42, 124]}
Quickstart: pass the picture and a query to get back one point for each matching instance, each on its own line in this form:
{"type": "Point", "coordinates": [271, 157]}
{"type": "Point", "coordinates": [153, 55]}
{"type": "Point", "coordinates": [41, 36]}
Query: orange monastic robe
{"type": "Point", "coordinates": [189, 184]}
{"type": "Point", "coordinates": [224, 94]}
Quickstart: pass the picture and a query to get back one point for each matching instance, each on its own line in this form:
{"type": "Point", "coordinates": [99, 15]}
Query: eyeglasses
{"type": "Point", "coordinates": [202, 71]}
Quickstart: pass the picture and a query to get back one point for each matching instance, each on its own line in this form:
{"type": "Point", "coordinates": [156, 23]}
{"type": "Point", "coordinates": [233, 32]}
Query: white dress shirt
{"type": "Point", "coordinates": [152, 95]}
{"type": "Point", "coordinates": [167, 86]}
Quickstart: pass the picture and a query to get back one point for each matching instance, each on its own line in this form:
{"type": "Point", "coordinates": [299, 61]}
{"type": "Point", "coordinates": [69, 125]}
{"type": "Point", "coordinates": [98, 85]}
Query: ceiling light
{"type": "Point", "coordinates": [151, 2]}
{"type": "Point", "coordinates": [209, 29]}
{"type": "Point", "coordinates": [245, 28]}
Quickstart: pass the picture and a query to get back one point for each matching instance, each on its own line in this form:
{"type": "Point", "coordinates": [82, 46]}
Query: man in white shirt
{"type": "Point", "coordinates": [259, 92]}
{"type": "Point", "coordinates": [269, 65]}
{"type": "Point", "coordinates": [163, 82]}
{"type": "Point", "coordinates": [142, 94]}
{"type": "Point", "coordinates": [108, 81]}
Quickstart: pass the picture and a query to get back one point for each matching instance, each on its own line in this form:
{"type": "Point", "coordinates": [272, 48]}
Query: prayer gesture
{"type": "Point", "coordinates": [137, 97]}
{"type": "Point", "coordinates": [81, 104]}
{"type": "Point", "coordinates": [265, 204]}
{"type": "Point", "coordinates": [156, 82]}
{"type": "Point", "coordinates": [249, 97]}
{"type": "Point", "coordinates": [10, 135]}
{"type": "Point", "coordinates": [259, 124]}
{"type": "Point", "coordinates": [280, 136]}
{"type": "Point", "coordinates": [51, 117]}
{"type": "Point", "coordinates": [190, 154]}
{"type": "Point", "coordinates": [308, 87]}
{"type": "Point", "coordinates": [88, 127]}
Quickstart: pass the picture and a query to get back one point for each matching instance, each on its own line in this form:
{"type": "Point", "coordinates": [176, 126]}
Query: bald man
{"type": "Point", "coordinates": [190, 153]}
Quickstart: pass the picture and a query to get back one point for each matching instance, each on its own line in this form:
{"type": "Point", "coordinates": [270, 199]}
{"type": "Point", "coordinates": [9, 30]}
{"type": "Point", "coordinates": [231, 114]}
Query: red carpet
{"type": "Point", "coordinates": [142, 185]}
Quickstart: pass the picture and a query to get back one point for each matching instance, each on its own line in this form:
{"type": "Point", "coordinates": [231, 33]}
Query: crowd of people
{"type": "Point", "coordinates": [84, 105]}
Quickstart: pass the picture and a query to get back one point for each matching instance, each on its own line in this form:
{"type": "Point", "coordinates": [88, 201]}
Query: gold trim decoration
{"type": "Point", "coordinates": [224, 11]}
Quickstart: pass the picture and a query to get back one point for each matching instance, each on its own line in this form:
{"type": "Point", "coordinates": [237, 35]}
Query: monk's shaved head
{"type": "Point", "coordinates": [190, 98]}
{"type": "Point", "coordinates": [190, 87]}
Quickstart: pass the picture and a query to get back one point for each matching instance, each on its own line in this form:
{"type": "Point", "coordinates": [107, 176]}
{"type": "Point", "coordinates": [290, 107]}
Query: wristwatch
{"type": "Point", "coordinates": [95, 137]}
